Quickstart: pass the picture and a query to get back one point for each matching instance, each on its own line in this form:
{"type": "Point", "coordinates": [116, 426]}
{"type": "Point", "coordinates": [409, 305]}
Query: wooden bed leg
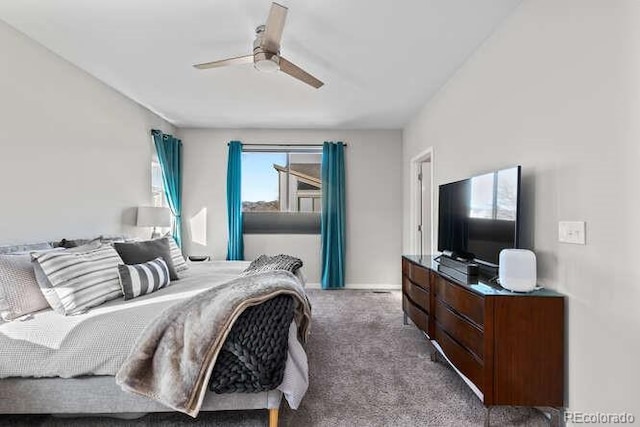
{"type": "Point", "coordinates": [273, 417]}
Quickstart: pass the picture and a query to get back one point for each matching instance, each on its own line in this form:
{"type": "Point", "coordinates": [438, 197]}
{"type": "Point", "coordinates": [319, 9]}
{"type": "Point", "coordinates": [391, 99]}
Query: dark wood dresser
{"type": "Point", "coordinates": [509, 347]}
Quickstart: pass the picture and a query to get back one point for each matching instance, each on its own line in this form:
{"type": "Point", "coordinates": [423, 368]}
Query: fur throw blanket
{"type": "Point", "coordinates": [173, 358]}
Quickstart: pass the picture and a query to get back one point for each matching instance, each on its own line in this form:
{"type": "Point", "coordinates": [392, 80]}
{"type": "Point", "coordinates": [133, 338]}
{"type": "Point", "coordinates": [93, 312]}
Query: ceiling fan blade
{"type": "Point", "coordinates": [273, 28]}
{"type": "Point", "coordinates": [247, 59]}
{"type": "Point", "coordinates": [298, 73]}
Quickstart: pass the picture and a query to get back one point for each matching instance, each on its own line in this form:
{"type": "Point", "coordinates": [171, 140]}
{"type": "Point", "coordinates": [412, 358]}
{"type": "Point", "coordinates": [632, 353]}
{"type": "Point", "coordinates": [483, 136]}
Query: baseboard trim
{"type": "Point", "coordinates": [362, 286]}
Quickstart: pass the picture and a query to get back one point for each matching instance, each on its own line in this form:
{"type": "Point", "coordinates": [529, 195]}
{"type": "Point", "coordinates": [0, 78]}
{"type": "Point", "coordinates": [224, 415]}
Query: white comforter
{"type": "Point", "coordinates": [96, 343]}
{"type": "Point", "coordinates": [48, 344]}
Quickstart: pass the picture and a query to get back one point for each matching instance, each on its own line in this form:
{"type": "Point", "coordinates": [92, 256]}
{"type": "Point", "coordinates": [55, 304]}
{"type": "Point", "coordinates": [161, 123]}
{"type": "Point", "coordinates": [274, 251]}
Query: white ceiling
{"type": "Point", "coordinates": [380, 60]}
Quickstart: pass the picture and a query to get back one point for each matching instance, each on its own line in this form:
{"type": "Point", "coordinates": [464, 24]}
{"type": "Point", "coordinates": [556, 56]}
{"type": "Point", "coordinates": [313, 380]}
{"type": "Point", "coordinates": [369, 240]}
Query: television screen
{"type": "Point", "coordinates": [478, 217]}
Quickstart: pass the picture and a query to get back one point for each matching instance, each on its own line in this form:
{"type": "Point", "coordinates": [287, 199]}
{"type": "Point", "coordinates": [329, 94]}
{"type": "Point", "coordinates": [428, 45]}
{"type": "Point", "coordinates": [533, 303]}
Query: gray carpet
{"type": "Point", "coordinates": [366, 369]}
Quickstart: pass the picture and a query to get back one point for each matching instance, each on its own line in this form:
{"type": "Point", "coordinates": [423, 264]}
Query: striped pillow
{"type": "Point", "coordinates": [176, 255]}
{"type": "Point", "coordinates": [142, 279]}
{"type": "Point", "coordinates": [74, 280]}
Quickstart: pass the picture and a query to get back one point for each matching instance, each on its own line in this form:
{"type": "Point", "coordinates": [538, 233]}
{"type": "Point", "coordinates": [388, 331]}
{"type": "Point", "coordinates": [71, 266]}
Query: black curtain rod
{"type": "Point", "coordinates": [283, 145]}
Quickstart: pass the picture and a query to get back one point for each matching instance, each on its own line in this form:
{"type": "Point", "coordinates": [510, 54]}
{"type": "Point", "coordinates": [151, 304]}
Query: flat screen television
{"type": "Point", "coordinates": [479, 216]}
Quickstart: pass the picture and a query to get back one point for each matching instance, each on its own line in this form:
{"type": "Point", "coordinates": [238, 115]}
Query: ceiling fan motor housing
{"type": "Point", "coordinates": [264, 60]}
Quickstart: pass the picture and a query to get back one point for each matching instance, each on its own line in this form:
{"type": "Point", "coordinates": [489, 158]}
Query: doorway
{"type": "Point", "coordinates": [422, 202]}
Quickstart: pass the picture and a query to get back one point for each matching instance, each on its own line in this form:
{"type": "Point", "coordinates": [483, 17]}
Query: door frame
{"type": "Point", "coordinates": [415, 199]}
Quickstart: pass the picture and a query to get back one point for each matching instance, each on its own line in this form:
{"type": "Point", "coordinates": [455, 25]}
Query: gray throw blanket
{"type": "Point", "coordinates": [270, 263]}
{"type": "Point", "coordinates": [254, 354]}
{"type": "Point", "coordinates": [173, 359]}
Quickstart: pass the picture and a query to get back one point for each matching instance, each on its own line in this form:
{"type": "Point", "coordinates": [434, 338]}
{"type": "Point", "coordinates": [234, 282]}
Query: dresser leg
{"type": "Point", "coordinates": [405, 319]}
{"type": "Point", "coordinates": [487, 416]}
{"type": "Point", "coordinates": [556, 415]}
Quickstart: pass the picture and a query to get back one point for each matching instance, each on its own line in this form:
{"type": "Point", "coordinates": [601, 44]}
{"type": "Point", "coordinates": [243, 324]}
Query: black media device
{"type": "Point", "coordinates": [467, 279]}
{"type": "Point", "coordinates": [465, 267]}
{"type": "Point", "coordinates": [479, 217]}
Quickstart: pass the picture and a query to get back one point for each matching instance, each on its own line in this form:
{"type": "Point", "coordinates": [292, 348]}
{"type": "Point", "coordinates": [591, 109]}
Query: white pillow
{"type": "Point", "coordinates": [19, 290]}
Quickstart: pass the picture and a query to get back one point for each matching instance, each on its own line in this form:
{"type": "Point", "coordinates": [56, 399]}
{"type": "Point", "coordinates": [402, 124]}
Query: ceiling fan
{"type": "Point", "coordinates": [266, 50]}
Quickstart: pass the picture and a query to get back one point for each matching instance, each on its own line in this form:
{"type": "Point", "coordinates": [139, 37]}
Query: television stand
{"type": "Point", "coordinates": [459, 266]}
{"type": "Point", "coordinates": [509, 348]}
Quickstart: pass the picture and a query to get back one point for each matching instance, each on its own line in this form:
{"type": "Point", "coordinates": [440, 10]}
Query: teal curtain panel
{"type": "Point", "coordinates": [169, 149]}
{"type": "Point", "coordinates": [235, 248]}
{"type": "Point", "coordinates": [333, 216]}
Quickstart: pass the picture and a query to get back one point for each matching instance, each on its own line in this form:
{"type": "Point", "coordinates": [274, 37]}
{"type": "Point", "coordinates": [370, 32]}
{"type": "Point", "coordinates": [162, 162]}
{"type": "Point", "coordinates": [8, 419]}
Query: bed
{"type": "Point", "coordinates": [66, 364]}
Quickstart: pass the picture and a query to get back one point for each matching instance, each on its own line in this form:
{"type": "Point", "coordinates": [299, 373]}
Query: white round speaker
{"type": "Point", "coordinates": [517, 270]}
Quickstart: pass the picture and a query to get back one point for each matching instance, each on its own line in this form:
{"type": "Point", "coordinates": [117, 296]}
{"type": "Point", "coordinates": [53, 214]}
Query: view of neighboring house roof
{"type": "Point", "coordinates": [302, 177]}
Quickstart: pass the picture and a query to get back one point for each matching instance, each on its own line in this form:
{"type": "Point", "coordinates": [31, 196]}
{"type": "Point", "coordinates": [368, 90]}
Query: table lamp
{"type": "Point", "coordinates": [151, 216]}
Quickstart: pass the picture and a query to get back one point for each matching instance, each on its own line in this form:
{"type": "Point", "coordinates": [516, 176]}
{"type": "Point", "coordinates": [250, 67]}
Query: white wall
{"type": "Point", "coordinates": [374, 204]}
{"type": "Point", "coordinates": [75, 154]}
{"type": "Point", "coordinates": [557, 90]}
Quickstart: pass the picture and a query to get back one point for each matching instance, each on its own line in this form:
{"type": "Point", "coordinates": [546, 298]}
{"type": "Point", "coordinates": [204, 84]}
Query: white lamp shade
{"type": "Point", "coordinates": [150, 216]}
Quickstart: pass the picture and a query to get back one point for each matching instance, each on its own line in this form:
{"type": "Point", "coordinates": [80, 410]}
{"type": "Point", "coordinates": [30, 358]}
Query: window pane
{"type": "Point", "coordinates": [261, 181]}
{"type": "Point", "coordinates": [305, 181]}
{"type": "Point", "coordinates": [157, 185]}
{"type": "Point", "coordinates": [281, 191]}
{"type": "Point", "coordinates": [157, 199]}
{"type": "Point", "coordinates": [156, 175]}
{"type": "Point", "coordinates": [281, 182]}
{"type": "Point", "coordinates": [306, 204]}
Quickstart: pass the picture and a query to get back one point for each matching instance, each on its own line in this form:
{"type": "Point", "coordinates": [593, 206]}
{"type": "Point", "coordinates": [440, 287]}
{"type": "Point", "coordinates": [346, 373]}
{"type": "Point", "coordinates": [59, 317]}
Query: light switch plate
{"type": "Point", "coordinates": [572, 232]}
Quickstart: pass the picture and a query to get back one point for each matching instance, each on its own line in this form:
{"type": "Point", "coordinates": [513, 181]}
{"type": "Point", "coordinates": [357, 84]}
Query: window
{"type": "Point", "coordinates": [281, 190]}
{"type": "Point", "coordinates": [157, 185]}
{"type": "Point", "coordinates": [281, 182]}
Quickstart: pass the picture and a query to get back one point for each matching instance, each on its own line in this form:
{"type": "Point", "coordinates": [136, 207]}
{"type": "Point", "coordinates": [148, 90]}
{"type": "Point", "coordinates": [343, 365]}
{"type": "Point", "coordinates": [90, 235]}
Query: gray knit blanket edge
{"type": "Point", "coordinates": [254, 355]}
{"type": "Point", "coordinates": [270, 263]}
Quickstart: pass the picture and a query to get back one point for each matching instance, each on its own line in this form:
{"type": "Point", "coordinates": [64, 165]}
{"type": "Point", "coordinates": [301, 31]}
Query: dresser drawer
{"type": "Point", "coordinates": [417, 316]}
{"type": "Point", "coordinates": [416, 294]}
{"type": "Point", "coordinates": [460, 357]}
{"type": "Point", "coordinates": [461, 329]}
{"type": "Point", "coordinates": [420, 276]}
{"type": "Point", "coordinates": [464, 302]}
{"type": "Point", "coordinates": [406, 268]}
